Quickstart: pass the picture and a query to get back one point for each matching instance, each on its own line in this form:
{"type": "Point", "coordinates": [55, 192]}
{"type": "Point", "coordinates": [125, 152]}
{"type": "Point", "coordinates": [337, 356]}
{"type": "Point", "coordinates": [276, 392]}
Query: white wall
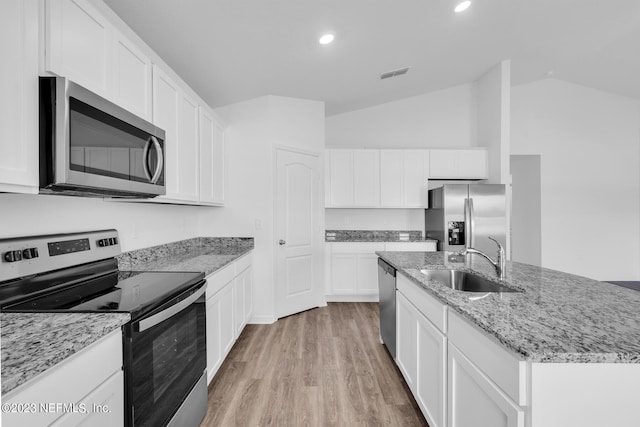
{"type": "Point", "coordinates": [139, 224]}
{"type": "Point", "coordinates": [374, 219]}
{"type": "Point", "coordinates": [254, 128]}
{"type": "Point", "coordinates": [444, 118]}
{"type": "Point", "coordinates": [589, 143]}
{"type": "Point", "coordinates": [493, 98]}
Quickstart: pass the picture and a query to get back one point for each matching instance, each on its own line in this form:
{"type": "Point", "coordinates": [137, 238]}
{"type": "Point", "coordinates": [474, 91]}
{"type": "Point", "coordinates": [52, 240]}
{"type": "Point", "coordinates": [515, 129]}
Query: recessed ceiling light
{"type": "Point", "coordinates": [462, 6]}
{"type": "Point", "coordinates": [326, 39]}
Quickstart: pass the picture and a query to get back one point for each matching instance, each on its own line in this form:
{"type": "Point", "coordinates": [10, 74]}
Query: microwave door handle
{"type": "Point", "coordinates": [160, 155]}
{"type": "Point", "coordinates": [157, 318]}
{"type": "Point", "coordinates": [145, 159]}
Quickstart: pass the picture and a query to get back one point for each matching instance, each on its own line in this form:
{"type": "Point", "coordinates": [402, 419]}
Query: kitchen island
{"type": "Point", "coordinates": [564, 350]}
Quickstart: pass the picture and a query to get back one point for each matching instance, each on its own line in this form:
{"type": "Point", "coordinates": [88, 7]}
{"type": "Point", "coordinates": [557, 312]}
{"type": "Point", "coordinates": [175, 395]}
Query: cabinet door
{"type": "Point", "coordinates": [415, 177]}
{"type": "Point", "coordinates": [406, 340]}
{"type": "Point", "coordinates": [340, 178]}
{"type": "Point", "coordinates": [214, 339]}
{"type": "Point", "coordinates": [188, 174]}
{"type": "Point", "coordinates": [19, 100]}
{"type": "Point", "coordinates": [391, 174]}
{"type": "Point", "coordinates": [238, 306]}
{"type": "Point", "coordinates": [79, 44]}
{"type": "Point", "coordinates": [443, 164]}
{"type": "Point", "coordinates": [227, 327]}
{"type": "Point", "coordinates": [366, 178]}
{"type": "Point", "coordinates": [131, 78]}
{"type": "Point", "coordinates": [473, 397]}
{"type": "Point", "coordinates": [367, 273]}
{"type": "Point", "coordinates": [431, 378]}
{"type": "Point", "coordinates": [248, 294]}
{"type": "Point", "coordinates": [211, 159]}
{"type": "Point", "coordinates": [472, 164]}
{"type": "Point", "coordinates": [104, 406]}
{"type": "Point", "coordinates": [343, 273]}
{"type": "Point", "coordinates": [166, 95]}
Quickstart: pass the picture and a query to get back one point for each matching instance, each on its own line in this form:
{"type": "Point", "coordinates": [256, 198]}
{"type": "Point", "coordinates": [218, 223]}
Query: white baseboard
{"type": "Point", "coordinates": [352, 298]}
{"type": "Point", "coordinates": [262, 320]}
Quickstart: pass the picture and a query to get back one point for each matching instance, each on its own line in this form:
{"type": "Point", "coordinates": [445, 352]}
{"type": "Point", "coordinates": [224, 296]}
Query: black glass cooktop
{"type": "Point", "coordinates": [88, 290]}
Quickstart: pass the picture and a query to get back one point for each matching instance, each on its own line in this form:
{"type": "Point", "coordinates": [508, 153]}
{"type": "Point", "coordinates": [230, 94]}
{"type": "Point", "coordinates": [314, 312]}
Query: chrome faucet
{"type": "Point", "coordinates": [499, 264]}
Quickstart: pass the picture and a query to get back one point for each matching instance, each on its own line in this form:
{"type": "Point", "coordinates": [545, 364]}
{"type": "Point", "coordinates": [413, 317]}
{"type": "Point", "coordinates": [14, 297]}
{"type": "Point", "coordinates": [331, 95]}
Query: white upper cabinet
{"type": "Point", "coordinates": [132, 78]}
{"type": "Point", "coordinates": [19, 100]}
{"type": "Point", "coordinates": [211, 159]}
{"type": "Point", "coordinates": [367, 178]}
{"type": "Point", "coordinates": [403, 178]}
{"type": "Point", "coordinates": [83, 46]}
{"type": "Point", "coordinates": [188, 174]}
{"type": "Point", "coordinates": [79, 44]}
{"type": "Point", "coordinates": [458, 164]}
{"type": "Point", "coordinates": [166, 95]}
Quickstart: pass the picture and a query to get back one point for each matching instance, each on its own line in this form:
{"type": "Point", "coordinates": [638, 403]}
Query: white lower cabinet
{"type": "Point", "coordinates": [421, 356]}
{"type": "Point", "coordinates": [229, 308]}
{"type": "Point", "coordinates": [352, 267]}
{"type": "Point", "coordinates": [474, 399]}
{"type": "Point", "coordinates": [90, 380]}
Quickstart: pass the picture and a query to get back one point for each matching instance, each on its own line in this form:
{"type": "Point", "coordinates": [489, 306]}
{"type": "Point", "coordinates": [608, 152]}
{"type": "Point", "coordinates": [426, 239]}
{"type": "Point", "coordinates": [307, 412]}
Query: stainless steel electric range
{"type": "Point", "coordinates": [164, 343]}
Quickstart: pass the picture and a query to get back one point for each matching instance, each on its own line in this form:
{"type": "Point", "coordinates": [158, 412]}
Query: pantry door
{"type": "Point", "coordinates": [298, 270]}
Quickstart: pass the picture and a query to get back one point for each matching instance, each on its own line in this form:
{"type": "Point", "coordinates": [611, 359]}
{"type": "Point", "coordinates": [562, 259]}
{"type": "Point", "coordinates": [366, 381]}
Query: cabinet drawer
{"type": "Point", "coordinates": [503, 367]}
{"type": "Point", "coordinates": [242, 263]}
{"type": "Point", "coordinates": [218, 279]}
{"type": "Point", "coordinates": [429, 306]}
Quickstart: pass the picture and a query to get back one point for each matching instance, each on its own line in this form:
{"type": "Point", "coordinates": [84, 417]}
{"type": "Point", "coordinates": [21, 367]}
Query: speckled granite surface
{"type": "Point", "coordinates": [558, 318]}
{"type": "Point", "coordinates": [205, 254]}
{"type": "Point", "coordinates": [373, 236]}
{"type": "Point", "coordinates": [34, 342]}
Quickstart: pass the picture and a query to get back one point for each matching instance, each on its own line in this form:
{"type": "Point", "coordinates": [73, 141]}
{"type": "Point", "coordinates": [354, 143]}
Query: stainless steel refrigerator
{"type": "Point", "coordinates": [461, 213]}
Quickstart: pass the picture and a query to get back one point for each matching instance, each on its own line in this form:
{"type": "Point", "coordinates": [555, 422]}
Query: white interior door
{"type": "Point", "coordinates": [298, 256]}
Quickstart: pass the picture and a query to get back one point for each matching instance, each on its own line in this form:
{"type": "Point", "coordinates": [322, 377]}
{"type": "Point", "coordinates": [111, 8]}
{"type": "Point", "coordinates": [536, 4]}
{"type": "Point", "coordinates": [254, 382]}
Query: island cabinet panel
{"type": "Point", "coordinates": [91, 376]}
{"type": "Point", "coordinates": [473, 399]}
{"type": "Point", "coordinates": [585, 394]}
{"type": "Point", "coordinates": [19, 101]}
{"type": "Point", "coordinates": [421, 357]}
{"type": "Point", "coordinates": [500, 365]}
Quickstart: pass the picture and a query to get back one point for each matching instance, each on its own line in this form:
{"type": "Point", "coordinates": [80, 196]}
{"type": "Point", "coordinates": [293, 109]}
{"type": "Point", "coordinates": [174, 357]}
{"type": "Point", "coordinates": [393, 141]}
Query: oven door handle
{"type": "Point", "coordinates": [157, 318]}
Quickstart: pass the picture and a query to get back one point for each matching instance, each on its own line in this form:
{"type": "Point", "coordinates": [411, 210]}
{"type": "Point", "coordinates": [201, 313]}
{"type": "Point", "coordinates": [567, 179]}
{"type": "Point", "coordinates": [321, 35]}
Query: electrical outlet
{"type": "Point", "coordinates": [258, 224]}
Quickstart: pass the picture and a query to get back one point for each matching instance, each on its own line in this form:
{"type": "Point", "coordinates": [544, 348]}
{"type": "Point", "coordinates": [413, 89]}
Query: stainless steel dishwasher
{"type": "Point", "coordinates": [387, 305]}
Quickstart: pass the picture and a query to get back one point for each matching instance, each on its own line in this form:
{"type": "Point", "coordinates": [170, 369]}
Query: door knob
{"type": "Point", "coordinates": [281, 242]}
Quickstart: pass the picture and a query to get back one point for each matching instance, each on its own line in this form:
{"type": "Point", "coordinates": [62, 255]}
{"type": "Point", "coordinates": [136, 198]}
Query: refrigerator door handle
{"type": "Point", "coordinates": [469, 223]}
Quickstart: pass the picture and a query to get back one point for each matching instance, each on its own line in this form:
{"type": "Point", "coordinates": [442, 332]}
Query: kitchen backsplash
{"type": "Point", "coordinates": [373, 235]}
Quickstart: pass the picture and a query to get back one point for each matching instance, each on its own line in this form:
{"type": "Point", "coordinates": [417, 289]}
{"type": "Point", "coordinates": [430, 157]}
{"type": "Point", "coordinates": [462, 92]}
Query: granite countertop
{"type": "Point", "coordinates": [205, 254]}
{"type": "Point", "coordinates": [375, 236]}
{"type": "Point", "coordinates": [558, 317]}
{"type": "Point", "coordinates": [33, 342]}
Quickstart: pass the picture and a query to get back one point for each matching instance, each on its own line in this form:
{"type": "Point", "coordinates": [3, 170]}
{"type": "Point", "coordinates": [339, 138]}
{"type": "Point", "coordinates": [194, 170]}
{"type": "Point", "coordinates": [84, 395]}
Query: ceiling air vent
{"type": "Point", "coordinates": [394, 73]}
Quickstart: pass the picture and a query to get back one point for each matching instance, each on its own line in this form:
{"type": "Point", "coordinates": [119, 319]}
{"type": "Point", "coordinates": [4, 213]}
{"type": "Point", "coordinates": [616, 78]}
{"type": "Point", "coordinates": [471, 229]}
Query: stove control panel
{"type": "Point", "coordinates": [19, 255]}
{"type": "Point", "coordinates": [25, 256]}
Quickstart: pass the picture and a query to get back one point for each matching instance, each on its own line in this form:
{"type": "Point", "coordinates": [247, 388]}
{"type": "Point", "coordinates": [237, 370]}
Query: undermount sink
{"type": "Point", "coordinates": [464, 281]}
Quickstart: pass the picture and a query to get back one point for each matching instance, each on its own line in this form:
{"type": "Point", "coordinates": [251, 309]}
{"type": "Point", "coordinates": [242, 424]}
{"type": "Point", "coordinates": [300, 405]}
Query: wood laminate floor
{"type": "Point", "coordinates": [324, 366]}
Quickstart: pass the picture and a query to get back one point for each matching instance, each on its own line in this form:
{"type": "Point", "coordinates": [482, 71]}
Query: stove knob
{"type": "Point", "coordinates": [101, 242]}
{"type": "Point", "coordinates": [26, 254]}
{"type": "Point", "coordinates": [112, 241]}
{"type": "Point", "coordinates": [8, 256]}
{"type": "Point", "coordinates": [34, 252]}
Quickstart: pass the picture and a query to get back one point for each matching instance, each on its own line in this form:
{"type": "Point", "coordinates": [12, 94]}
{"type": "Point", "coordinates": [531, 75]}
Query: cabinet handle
{"type": "Point", "coordinates": [281, 242]}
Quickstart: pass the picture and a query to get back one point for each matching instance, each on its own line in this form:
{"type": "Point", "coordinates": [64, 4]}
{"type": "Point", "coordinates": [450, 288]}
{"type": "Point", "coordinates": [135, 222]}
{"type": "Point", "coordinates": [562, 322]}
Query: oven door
{"type": "Point", "coordinates": [165, 356]}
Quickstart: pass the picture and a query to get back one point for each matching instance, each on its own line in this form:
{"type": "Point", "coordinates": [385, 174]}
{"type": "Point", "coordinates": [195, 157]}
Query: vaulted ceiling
{"type": "Point", "coordinates": [233, 50]}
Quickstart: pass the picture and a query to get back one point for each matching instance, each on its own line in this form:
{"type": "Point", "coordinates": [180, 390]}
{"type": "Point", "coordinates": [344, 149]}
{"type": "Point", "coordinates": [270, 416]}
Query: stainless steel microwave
{"type": "Point", "coordinates": [91, 147]}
